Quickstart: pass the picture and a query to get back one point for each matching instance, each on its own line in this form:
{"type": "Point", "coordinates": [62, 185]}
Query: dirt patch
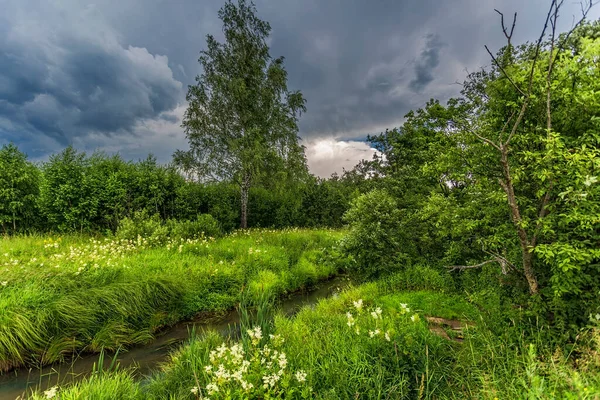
{"type": "Point", "coordinates": [439, 326]}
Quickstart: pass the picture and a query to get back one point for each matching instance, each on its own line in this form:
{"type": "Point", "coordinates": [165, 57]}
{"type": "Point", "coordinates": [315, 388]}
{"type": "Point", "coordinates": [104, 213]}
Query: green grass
{"type": "Point", "coordinates": [106, 294]}
{"type": "Point", "coordinates": [60, 294]}
{"type": "Point", "coordinates": [341, 364]}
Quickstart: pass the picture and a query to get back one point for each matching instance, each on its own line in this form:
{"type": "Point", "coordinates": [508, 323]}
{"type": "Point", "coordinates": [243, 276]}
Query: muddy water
{"type": "Point", "coordinates": [146, 358]}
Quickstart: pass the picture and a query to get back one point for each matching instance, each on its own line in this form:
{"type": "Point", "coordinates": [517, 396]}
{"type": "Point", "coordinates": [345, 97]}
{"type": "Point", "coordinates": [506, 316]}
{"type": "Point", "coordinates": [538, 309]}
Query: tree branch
{"type": "Point", "coordinates": [463, 267]}
{"type": "Point", "coordinates": [504, 71]}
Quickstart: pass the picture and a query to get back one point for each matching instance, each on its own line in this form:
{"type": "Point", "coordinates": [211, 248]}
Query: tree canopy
{"type": "Point", "coordinates": [241, 122]}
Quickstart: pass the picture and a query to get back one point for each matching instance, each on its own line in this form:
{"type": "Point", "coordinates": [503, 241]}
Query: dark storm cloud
{"type": "Point", "coordinates": [65, 82]}
{"type": "Point", "coordinates": [425, 66]}
{"type": "Point", "coordinates": [106, 73]}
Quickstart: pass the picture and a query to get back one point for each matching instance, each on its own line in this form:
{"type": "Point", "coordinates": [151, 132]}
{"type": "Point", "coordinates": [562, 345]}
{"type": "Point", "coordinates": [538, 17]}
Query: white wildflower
{"type": "Point", "coordinates": [194, 390]}
{"type": "Point", "coordinates": [246, 385]}
{"type": "Point", "coordinates": [414, 318]}
{"type": "Point", "coordinates": [387, 336]}
{"type": "Point", "coordinates": [212, 388]}
{"type": "Point", "coordinates": [358, 304]}
{"type": "Point", "coordinates": [51, 393]}
{"type": "Point", "coordinates": [350, 319]}
{"type": "Point", "coordinates": [301, 376]}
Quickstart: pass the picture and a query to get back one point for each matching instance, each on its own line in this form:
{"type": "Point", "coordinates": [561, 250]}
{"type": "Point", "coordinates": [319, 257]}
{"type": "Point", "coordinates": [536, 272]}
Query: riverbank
{"type": "Point", "coordinates": [61, 295]}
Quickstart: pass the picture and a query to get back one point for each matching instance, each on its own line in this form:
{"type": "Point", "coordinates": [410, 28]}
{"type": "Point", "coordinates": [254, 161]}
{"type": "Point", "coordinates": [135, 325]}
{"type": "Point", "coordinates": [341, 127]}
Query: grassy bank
{"type": "Point", "coordinates": [369, 342]}
{"type": "Point", "coordinates": [60, 294]}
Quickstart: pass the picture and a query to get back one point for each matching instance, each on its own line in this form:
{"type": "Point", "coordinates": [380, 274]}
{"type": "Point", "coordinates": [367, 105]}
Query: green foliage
{"type": "Point", "coordinates": [376, 236]}
{"type": "Point", "coordinates": [59, 295]}
{"type": "Point", "coordinates": [241, 121]}
{"type": "Point", "coordinates": [157, 232]}
{"type": "Point", "coordinates": [19, 188]}
{"type": "Point", "coordinates": [418, 278]}
{"type": "Point", "coordinates": [474, 185]}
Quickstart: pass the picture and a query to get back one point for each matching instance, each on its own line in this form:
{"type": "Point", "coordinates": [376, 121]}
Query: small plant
{"type": "Point", "coordinates": [252, 370]}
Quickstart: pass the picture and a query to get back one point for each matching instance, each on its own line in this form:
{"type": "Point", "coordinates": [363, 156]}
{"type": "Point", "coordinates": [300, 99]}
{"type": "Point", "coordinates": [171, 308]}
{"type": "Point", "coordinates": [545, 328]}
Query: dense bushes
{"type": "Point", "coordinates": [157, 231]}
{"type": "Point", "coordinates": [376, 238]}
{"type": "Point", "coordinates": [74, 192]}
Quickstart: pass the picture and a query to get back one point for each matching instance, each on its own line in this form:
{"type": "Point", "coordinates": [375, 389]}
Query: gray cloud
{"type": "Point", "coordinates": [68, 77]}
{"type": "Point", "coordinates": [112, 74]}
{"type": "Point", "coordinates": [427, 63]}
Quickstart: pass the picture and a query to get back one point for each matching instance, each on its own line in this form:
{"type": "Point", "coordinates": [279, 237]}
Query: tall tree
{"type": "Point", "coordinates": [241, 122]}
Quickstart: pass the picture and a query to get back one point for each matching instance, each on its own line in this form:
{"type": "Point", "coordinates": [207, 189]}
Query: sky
{"type": "Point", "coordinates": [112, 75]}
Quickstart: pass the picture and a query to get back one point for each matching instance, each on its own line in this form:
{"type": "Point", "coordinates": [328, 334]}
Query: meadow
{"type": "Point", "coordinates": [60, 294]}
{"type": "Point", "coordinates": [371, 341]}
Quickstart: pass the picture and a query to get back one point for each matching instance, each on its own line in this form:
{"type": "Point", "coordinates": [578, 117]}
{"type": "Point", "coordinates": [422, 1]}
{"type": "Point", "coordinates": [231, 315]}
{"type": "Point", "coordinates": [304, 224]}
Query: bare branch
{"type": "Point", "coordinates": [504, 71]}
{"type": "Point", "coordinates": [463, 267]}
{"type": "Point", "coordinates": [512, 29]}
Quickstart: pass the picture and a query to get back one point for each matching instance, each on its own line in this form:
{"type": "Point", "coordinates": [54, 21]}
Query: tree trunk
{"type": "Point", "coordinates": [245, 189]}
{"type": "Point", "coordinates": [526, 246]}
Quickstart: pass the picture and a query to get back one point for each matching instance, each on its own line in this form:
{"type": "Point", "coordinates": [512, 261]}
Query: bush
{"type": "Point", "coordinates": [141, 224]}
{"type": "Point", "coordinates": [157, 232]}
{"type": "Point", "coordinates": [376, 239]}
{"type": "Point", "coordinates": [418, 278]}
{"type": "Point", "coordinates": [204, 225]}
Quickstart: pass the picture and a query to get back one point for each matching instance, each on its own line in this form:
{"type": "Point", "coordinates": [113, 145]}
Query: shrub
{"type": "Point", "coordinates": [141, 224]}
{"type": "Point", "coordinates": [376, 234]}
{"type": "Point", "coordinates": [157, 232]}
{"type": "Point", "coordinates": [204, 225]}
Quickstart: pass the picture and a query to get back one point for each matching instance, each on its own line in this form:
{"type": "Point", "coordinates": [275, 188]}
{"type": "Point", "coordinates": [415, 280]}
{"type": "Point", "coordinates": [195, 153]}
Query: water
{"type": "Point", "coordinates": [146, 358]}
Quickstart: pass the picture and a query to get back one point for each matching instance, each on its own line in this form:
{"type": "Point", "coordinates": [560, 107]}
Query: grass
{"type": "Point", "coordinates": [60, 294]}
{"type": "Point", "coordinates": [327, 359]}
{"type": "Point", "coordinates": [368, 342]}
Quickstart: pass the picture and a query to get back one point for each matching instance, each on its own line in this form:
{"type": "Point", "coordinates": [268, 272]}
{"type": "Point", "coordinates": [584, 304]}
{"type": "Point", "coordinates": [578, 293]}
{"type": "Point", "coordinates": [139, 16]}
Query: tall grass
{"type": "Point", "coordinates": [71, 293]}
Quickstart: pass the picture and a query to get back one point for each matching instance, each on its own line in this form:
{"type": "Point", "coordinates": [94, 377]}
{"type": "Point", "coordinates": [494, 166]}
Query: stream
{"type": "Point", "coordinates": [147, 358]}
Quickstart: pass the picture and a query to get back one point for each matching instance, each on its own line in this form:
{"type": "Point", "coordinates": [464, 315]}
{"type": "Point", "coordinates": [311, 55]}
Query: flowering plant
{"type": "Point", "coordinates": [259, 371]}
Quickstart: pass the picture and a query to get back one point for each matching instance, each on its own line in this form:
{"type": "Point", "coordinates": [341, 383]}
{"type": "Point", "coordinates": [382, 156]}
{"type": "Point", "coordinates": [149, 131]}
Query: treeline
{"type": "Point", "coordinates": [76, 192]}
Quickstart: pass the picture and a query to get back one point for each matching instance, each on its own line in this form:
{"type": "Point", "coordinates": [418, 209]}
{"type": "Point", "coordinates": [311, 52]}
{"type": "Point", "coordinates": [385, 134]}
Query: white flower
{"type": "Point", "coordinates": [255, 334]}
{"type": "Point", "coordinates": [301, 376]}
{"type": "Point", "coordinates": [374, 315]}
{"type": "Point", "coordinates": [414, 318]}
{"type": "Point", "coordinates": [378, 311]}
{"type": "Point", "coordinates": [350, 319]}
{"type": "Point", "coordinates": [282, 361]}
{"type": "Point", "coordinates": [4, 283]}
{"type": "Point", "coordinates": [358, 304]}
{"type": "Point", "coordinates": [212, 388]}
{"type": "Point", "coordinates": [387, 336]}
{"type": "Point", "coordinates": [51, 393]}
{"type": "Point", "coordinates": [246, 385]}
{"type": "Point", "coordinates": [194, 390]}
{"type": "Point", "coordinates": [374, 333]}
{"type": "Point", "coordinates": [208, 368]}
{"type": "Point", "coordinates": [357, 330]}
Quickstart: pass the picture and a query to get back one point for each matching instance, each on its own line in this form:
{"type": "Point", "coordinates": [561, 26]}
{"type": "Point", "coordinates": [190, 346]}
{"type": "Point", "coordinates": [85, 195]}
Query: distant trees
{"type": "Point", "coordinates": [76, 192]}
{"type": "Point", "coordinates": [241, 121]}
{"type": "Point", "coordinates": [19, 188]}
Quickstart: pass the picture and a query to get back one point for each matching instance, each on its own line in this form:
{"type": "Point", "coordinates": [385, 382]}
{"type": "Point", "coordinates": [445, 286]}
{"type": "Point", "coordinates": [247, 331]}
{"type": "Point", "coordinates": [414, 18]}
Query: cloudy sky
{"type": "Point", "coordinates": [112, 74]}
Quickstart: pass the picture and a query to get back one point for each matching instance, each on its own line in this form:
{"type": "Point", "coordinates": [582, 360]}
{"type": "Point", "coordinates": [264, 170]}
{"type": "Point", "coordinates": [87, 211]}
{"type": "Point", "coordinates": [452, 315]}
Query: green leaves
{"type": "Point", "coordinates": [241, 122]}
{"type": "Point", "coordinates": [19, 187]}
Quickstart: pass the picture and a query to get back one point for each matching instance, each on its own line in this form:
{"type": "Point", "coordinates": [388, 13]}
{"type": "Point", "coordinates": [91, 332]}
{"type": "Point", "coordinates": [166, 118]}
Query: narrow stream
{"type": "Point", "coordinates": [146, 358]}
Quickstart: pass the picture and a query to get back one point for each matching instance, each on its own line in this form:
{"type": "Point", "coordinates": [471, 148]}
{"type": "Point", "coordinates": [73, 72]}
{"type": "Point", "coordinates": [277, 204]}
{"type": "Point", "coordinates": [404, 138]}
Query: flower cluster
{"type": "Point", "coordinates": [51, 393]}
{"type": "Point", "coordinates": [258, 371]}
{"type": "Point", "coordinates": [372, 321]}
